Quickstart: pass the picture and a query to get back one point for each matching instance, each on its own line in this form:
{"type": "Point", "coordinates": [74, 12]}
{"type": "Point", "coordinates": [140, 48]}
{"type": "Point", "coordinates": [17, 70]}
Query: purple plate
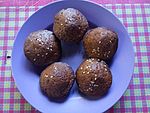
{"type": "Point", "coordinates": [27, 76]}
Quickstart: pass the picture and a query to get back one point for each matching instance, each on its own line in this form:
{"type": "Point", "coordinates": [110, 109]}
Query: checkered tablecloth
{"type": "Point", "coordinates": [43, 2]}
{"type": "Point", "coordinates": [137, 20]}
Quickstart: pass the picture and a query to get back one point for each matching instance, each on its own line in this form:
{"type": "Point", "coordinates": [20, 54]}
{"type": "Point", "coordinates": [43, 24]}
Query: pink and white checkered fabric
{"type": "Point", "coordinates": [137, 20]}
{"type": "Point", "coordinates": [43, 2]}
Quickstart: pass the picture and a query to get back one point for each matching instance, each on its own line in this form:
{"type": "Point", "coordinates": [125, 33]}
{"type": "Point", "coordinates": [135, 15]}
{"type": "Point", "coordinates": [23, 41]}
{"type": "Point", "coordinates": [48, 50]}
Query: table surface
{"type": "Point", "coordinates": [136, 18]}
{"type": "Point", "coordinates": [43, 2]}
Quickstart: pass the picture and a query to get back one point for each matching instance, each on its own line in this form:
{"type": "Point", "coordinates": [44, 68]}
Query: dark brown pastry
{"type": "Point", "coordinates": [56, 80]}
{"type": "Point", "coordinates": [70, 25]}
{"type": "Point", "coordinates": [93, 78]}
{"type": "Point", "coordinates": [100, 43]}
{"type": "Point", "coordinates": [42, 48]}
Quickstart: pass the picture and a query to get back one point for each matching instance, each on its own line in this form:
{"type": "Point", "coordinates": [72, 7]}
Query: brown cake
{"type": "Point", "coordinates": [93, 78]}
{"type": "Point", "coordinates": [70, 25]}
{"type": "Point", "coordinates": [100, 43]}
{"type": "Point", "coordinates": [42, 48]}
{"type": "Point", "coordinates": [56, 80]}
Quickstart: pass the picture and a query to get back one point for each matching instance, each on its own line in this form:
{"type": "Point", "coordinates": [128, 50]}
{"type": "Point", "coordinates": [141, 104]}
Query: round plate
{"type": "Point", "coordinates": [27, 76]}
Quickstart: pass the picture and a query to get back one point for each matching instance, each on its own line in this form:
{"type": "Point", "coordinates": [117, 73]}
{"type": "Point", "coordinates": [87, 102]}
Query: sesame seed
{"type": "Point", "coordinates": [110, 41]}
{"type": "Point", "coordinates": [90, 69]}
{"type": "Point", "coordinates": [95, 75]}
{"type": "Point", "coordinates": [81, 68]}
{"type": "Point", "coordinates": [95, 85]}
{"type": "Point", "coordinates": [48, 48]}
{"type": "Point", "coordinates": [42, 55]}
{"type": "Point", "coordinates": [92, 82]}
{"type": "Point", "coordinates": [83, 72]}
{"type": "Point", "coordinates": [46, 75]}
{"type": "Point", "coordinates": [34, 59]}
{"type": "Point", "coordinates": [87, 72]}
{"type": "Point", "coordinates": [105, 69]}
{"type": "Point", "coordinates": [51, 76]}
{"type": "Point", "coordinates": [99, 42]}
{"type": "Point", "coordinates": [90, 89]}
{"type": "Point", "coordinates": [65, 21]}
{"type": "Point", "coordinates": [46, 53]}
{"type": "Point", "coordinates": [35, 48]}
{"type": "Point", "coordinates": [92, 59]}
{"type": "Point", "coordinates": [89, 61]}
{"type": "Point", "coordinates": [105, 66]}
{"type": "Point", "coordinates": [51, 49]}
{"type": "Point", "coordinates": [95, 78]}
{"type": "Point", "coordinates": [61, 24]}
{"type": "Point", "coordinates": [38, 54]}
{"type": "Point", "coordinates": [93, 51]}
